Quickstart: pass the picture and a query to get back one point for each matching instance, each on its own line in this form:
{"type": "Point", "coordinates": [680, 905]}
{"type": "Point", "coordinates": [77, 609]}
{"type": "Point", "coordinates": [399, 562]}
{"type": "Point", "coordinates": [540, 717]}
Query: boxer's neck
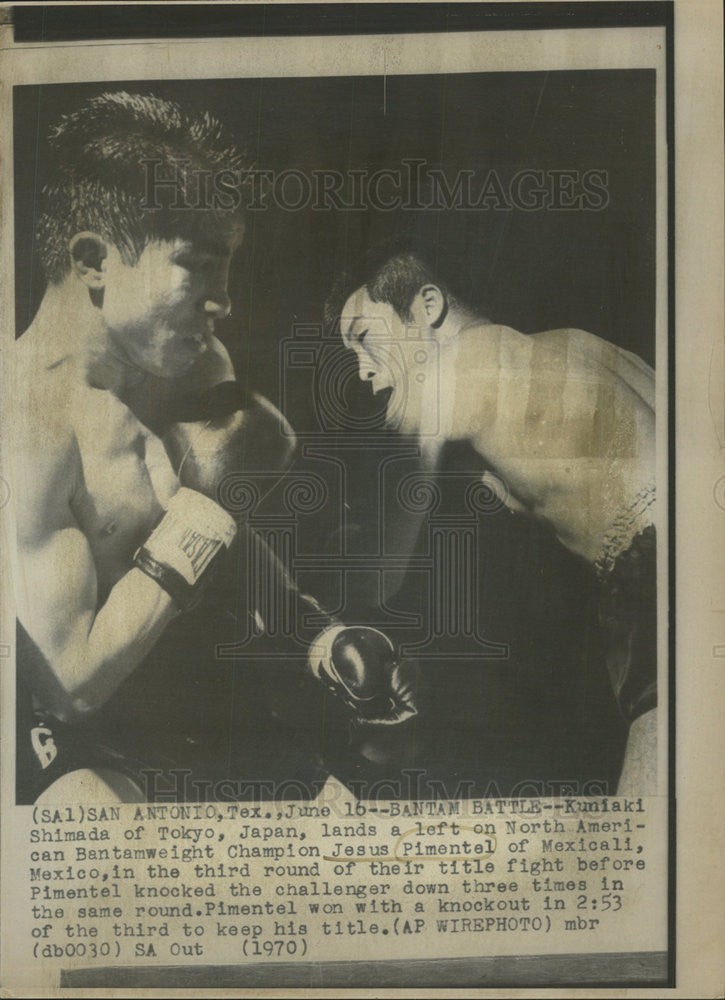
{"type": "Point", "coordinates": [467, 374]}
{"type": "Point", "coordinates": [69, 327]}
{"type": "Point", "coordinates": [457, 321]}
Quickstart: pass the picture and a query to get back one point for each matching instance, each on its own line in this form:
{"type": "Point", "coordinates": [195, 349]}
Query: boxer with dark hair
{"type": "Point", "coordinates": [564, 419]}
{"type": "Point", "coordinates": [129, 417]}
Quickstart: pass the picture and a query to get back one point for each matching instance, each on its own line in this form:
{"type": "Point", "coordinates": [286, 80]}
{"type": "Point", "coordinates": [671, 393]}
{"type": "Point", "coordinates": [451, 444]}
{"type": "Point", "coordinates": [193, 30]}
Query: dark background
{"type": "Point", "coordinates": [534, 270]}
{"type": "Point", "coordinates": [545, 714]}
{"type": "Point", "coordinates": [41, 23]}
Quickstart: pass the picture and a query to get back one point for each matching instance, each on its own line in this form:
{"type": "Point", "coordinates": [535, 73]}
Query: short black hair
{"type": "Point", "coordinates": [394, 272]}
{"type": "Point", "coordinates": [96, 176]}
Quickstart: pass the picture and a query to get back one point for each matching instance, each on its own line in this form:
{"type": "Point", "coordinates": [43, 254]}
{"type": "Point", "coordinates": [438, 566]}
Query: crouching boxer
{"type": "Point", "coordinates": [564, 421]}
{"type": "Point", "coordinates": [128, 413]}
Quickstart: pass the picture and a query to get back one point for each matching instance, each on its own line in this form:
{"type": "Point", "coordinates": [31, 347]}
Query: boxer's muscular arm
{"type": "Point", "coordinates": [88, 652]}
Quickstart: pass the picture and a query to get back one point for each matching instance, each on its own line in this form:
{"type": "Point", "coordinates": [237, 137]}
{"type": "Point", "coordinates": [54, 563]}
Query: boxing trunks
{"type": "Point", "coordinates": [627, 570]}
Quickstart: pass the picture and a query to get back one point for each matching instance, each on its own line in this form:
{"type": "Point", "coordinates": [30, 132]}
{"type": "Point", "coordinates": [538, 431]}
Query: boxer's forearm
{"type": "Point", "coordinates": [172, 568]}
{"type": "Point", "coordinates": [310, 617]}
{"type": "Point", "coordinates": [99, 654]}
{"type": "Point", "coordinates": [358, 664]}
{"type": "Point", "coordinates": [92, 652]}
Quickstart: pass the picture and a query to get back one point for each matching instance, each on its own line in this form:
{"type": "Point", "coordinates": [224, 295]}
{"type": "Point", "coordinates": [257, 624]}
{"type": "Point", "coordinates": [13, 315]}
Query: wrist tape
{"type": "Point", "coordinates": [186, 544]}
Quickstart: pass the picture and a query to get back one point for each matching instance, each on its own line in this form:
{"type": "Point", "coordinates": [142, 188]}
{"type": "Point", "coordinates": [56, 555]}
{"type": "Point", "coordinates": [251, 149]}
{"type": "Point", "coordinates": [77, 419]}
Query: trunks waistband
{"type": "Point", "coordinates": [630, 522]}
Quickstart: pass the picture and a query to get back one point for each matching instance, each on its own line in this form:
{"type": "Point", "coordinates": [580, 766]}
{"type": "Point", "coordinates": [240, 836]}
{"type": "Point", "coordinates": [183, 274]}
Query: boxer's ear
{"type": "Point", "coordinates": [88, 254]}
{"type": "Point", "coordinates": [431, 305]}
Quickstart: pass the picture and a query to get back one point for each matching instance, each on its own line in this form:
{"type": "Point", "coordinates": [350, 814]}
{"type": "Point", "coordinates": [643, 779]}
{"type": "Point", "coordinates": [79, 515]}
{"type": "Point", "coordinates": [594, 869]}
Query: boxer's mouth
{"type": "Point", "coordinates": [197, 341]}
{"type": "Point", "coordinates": [193, 346]}
{"type": "Point", "coordinates": [197, 331]}
{"type": "Point", "coordinates": [385, 391]}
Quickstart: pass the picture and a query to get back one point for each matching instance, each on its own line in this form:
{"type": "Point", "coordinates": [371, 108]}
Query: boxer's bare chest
{"type": "Point", "coordinates": [123, 480]}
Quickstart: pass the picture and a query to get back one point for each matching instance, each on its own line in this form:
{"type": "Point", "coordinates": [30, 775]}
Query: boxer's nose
{"type": "Point", "coordinates": [218, 305]}
{"type": "Point", "coordinates": [366, 372]}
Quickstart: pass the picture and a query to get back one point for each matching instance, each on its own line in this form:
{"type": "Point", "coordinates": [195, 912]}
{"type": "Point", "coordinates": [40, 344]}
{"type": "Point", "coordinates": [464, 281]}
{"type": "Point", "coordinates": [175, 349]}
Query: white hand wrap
{"type": "Point", "coordinates": [179, 552]}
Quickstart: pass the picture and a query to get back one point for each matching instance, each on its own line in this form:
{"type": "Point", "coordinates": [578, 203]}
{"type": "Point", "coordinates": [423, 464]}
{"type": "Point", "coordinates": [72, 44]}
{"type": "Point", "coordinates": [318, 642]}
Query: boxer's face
{"type": "Point", "coordinates": [391, 354]}
{"type": "Point", "coordinates": [374, 331]}
{"type": "Point", "coordinates": [160, 312]}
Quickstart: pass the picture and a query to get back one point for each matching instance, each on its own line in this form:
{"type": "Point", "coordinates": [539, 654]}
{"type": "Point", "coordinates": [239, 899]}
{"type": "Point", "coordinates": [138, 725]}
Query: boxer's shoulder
{"type": "Point", "coordinates": [581, 348]}
{"type": "Point", "coordinates": [47, 457]}
{"type": "Point", "coordinates": [478, 353]}
{"type": "Point", "coordinates": [479, 339]}
{"type": "Point", "coordinates": [43, 415]}
{"type": "Point", "coordinates": [492, 350]}
{"type": "Point", "coordinates": [40, 387]}
{"type": "Point", "coordinates": [48, 477]}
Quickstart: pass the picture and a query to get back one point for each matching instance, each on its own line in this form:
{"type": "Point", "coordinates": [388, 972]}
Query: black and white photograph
{"type": "Point", "coordinates": [350, 462]}
{"type": "Point", "coordinates": [340, 473]}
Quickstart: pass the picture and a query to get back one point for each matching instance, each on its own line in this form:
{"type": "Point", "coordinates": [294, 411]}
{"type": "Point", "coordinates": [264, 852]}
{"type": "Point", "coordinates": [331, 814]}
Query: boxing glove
{"type": "Point", "coordinates": [358, 664]}
{"type": "Point", "coordinates": [184, 548]}
{"type": "Point", "coordinates": [226, 431]}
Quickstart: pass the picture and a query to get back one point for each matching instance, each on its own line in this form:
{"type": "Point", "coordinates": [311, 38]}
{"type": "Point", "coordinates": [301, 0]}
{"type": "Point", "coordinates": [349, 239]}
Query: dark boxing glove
{"type": "Point", "coordinates": [358, 664]}
{"type": "Point", "coordinates": [215, 403]}
{"type": "Point", "coordinates": [227, 431]}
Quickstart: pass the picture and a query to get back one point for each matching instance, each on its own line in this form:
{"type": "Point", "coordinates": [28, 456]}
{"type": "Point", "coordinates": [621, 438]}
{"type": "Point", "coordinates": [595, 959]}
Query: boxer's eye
{"type": "Point", "coordinates": [193, 262]}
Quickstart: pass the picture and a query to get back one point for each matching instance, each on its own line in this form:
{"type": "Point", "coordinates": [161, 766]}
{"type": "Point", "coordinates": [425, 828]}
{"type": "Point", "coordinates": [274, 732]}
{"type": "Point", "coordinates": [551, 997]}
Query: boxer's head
{"type": "Point", "coordinates": [135, 168]}
{"type": "Point", "coordinates": [142, 203]}
{"type": "Point", "coordinates": [396, 310]}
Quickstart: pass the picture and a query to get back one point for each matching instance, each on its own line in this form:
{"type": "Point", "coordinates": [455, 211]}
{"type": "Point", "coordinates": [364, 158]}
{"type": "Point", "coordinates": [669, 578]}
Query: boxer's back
{"type": "Point", "coordinates": [565, 419]}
